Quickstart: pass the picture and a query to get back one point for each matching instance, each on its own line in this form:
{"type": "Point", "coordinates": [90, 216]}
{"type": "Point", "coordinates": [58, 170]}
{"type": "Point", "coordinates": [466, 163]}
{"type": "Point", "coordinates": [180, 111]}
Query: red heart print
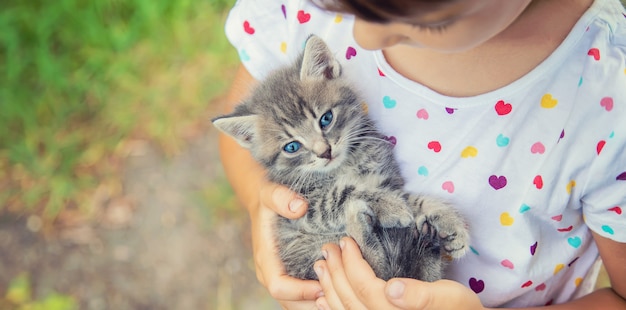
{"type": "Point", "coordinates": [503, 108]}
{"type": "Point", "coordinates": [380, 72]}
{"type": "Point", "coordinates": [538, 148]}
{"type": "Point", "coordinates": [422, 114]}
{"type": "Point", "coordinates": [617, 210]}
{"type": "Point", "coordinates": [497, 182]}
{"type": "Point", "coordinates": [527, 284]}
{"type": "Point", "coordinates": [247, 28]}
{"type": "Point", "coordinates": [594, 52]}
{"type": "Point", "coordinates": [565, 229]}
{"type": "Point", "coordinates": [607, 103]}
{"type": "Point", "coordinates": [476, 285]}
{"type": "Point", "coordinates": [507, 263]}
{"type": "Point", "coordinates": [435, 146]}
{"type": "Point", "coordinates": [538, 181]}
{"type": "Point", "coordinates": [448, 186]}
{"type": "Point", "coordinates": [540, 287]}
{"type": "Point", "coordinates": [600, 146]}
{"type": "Point", "coordinates": [303, 17]}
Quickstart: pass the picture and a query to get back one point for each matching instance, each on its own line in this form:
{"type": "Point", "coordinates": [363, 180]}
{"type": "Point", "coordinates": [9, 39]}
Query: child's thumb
{"type": "Point", "coordinates": [283, 201]}
{"type": "Point", "coordinates": [407, 294]}
{"type": "Point", "coordinates": [442, 294]}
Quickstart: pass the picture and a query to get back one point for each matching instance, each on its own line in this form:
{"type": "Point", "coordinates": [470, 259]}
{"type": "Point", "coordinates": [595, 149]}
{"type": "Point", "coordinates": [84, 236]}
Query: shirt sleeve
{"type": "Point", "coordinates": [604, 198]}
{"type": "Point", "coordinates": [269, 33]}
{"type": "Point", "coordinates": [604, 204]}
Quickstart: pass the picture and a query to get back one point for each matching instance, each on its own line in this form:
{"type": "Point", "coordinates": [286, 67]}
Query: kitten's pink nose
{"type": "Point", "coordinates": [326, 154]}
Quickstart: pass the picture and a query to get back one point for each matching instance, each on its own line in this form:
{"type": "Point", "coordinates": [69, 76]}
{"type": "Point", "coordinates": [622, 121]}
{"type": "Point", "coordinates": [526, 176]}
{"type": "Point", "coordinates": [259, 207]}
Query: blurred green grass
{"type": "Point", "coordinates": [19, 296]}
{"type": "Point", "coordinates": [79, 78]}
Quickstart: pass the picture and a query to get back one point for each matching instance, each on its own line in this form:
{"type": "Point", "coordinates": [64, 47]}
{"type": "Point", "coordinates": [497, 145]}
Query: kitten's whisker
{"type": "Point", "coordinates": [369, 132]}
{"type": "Point", "coordinates": [298, 184]}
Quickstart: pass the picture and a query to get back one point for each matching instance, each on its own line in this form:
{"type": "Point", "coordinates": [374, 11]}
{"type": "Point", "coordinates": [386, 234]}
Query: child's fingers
{"type": "Point", "coordinates": [330, 300]}
{"type": "Point", "coordinates": [442, 294]}
{"type": "Point", "coordinates": [322, 304]}
{"type": "Point", "coordinates": [270, 270]}
{"type": "Point", "coordinates": [409, 294]}
{"type": "Point", "coordinates": [286, 288]}
{"type": "Point", "coordinates": [337, 290]}
{"type": "Point", "coordinates": [281, 286]}
{"type": "Point", "coordinates": [368, 288]}
{"type": "Point", "coordinates": [282, 200]}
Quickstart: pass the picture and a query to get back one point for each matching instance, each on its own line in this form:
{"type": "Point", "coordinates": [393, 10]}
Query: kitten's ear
{"type": "Point", "coordinates": [241, 128]}
{"type": "Point", "coordinates": [318, 62]}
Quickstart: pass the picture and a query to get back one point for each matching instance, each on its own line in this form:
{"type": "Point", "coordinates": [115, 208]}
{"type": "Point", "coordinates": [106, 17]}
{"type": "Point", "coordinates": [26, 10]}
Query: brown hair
{"type": "Point", "coordinates": [382, 11]}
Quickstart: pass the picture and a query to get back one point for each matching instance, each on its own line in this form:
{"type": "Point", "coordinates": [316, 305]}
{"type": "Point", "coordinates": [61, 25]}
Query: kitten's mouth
{"type": "Point", "coordinates": [332, 161]}
{"type": "Point", "coordinates": [329, 162]}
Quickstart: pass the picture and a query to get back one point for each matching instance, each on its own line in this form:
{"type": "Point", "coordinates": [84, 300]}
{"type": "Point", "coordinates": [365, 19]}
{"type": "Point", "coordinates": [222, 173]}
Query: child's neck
{"type": "Point", "coordinates": [540, 29]}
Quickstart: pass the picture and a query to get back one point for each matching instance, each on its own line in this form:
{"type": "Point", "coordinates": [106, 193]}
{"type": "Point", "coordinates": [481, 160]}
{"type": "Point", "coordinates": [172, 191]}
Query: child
{"type": "Point", "coordinates": [513, 111]}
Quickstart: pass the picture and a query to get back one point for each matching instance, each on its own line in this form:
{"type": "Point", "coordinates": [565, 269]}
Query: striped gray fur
{"type": "Point", "coordinates": [345, 169]}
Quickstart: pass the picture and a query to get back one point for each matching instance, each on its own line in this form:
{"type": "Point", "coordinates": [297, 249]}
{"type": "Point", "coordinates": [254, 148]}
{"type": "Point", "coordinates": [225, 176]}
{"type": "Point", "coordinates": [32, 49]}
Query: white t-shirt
{"type": "Point", "coordinates": [532, 166]}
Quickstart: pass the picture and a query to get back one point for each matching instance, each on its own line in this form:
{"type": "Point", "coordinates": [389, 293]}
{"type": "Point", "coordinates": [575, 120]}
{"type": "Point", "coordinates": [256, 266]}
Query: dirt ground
{"type": "Point", "coordinates": [152, 249]}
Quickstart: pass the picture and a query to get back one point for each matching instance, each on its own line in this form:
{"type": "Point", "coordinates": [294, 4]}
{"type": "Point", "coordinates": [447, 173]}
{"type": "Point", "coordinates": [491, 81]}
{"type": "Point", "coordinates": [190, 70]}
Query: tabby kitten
{"type": "Point", "coordinates": [305, 125]}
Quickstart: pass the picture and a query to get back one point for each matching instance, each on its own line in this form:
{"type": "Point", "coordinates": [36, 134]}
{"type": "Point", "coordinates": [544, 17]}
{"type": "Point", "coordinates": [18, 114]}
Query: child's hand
{"type": "Point", "coordinates": [282, 201]}
{"type": "Point", "coordinates": [290, 292]}
{"type": "Point", "coordinates": [349, 283]}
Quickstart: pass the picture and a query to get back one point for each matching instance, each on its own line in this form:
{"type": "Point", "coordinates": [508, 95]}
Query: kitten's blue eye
{"type": "Point", "coordinates": [292, 147]}
{"type": "Point", "coordinates": [326, 119]}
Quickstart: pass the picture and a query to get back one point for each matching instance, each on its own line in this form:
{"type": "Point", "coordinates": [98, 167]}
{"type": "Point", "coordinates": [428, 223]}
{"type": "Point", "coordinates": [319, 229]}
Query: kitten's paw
{"type": "Point", "coordinates": [450, 230]}
{"type": "Point", "coordinates": [398, 219]}
{"type": "Point", "coordinates": [359, 217]}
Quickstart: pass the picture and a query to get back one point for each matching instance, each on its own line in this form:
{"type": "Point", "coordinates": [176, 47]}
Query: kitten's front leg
{"type": "Point", "coordinates": [435, 217]}
{"type": "Point", "coordinates": [359, 225]}
{"type": "Point", "coordinates": [391, 209]}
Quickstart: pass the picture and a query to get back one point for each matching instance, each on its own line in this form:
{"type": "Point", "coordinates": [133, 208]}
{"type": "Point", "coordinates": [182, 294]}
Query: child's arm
{"type": "Point", "coordinates": [262, 200]}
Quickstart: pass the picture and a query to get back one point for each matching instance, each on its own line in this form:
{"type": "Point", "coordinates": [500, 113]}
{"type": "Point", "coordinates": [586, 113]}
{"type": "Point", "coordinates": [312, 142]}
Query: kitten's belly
{"type": "Point", "coordinates": [326, 212]}
{"type": "Point", "coordinates": [365, 182]}
{"type": "Point", "coordinates": [320, 226]}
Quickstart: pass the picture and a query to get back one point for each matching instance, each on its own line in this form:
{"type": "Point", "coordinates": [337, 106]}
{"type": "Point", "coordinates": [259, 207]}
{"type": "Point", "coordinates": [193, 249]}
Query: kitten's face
{"type": "Point", "coordinates": [300, 119]}
{"type": "Point", "coordinates": [309, 128]}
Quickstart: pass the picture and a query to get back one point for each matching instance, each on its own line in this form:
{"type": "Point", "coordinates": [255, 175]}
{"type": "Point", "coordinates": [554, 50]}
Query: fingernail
{"type": "Point", "coordinates": [395, 289]}
{"type": "Point", "coordinates": [342, 244]}
{"type": "Point", "coordinates": [295, 205]}
{"type": "Point", "coordinates": [321, 304]}
{"type": "Point", "coordinates": [319, 271]}
{"type": "Point", "coordinates": [319, 294]}
{"type": "Point", "coordinates": [325, 254]}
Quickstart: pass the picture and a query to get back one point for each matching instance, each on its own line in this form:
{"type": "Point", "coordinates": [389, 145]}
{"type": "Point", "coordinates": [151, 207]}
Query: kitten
{"type": "Point", "coordinates": [306, 126]}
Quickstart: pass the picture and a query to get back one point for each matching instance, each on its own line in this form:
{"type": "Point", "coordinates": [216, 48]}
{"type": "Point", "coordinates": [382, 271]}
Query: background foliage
{"type": "Point", "coordinates": [79, 78]}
